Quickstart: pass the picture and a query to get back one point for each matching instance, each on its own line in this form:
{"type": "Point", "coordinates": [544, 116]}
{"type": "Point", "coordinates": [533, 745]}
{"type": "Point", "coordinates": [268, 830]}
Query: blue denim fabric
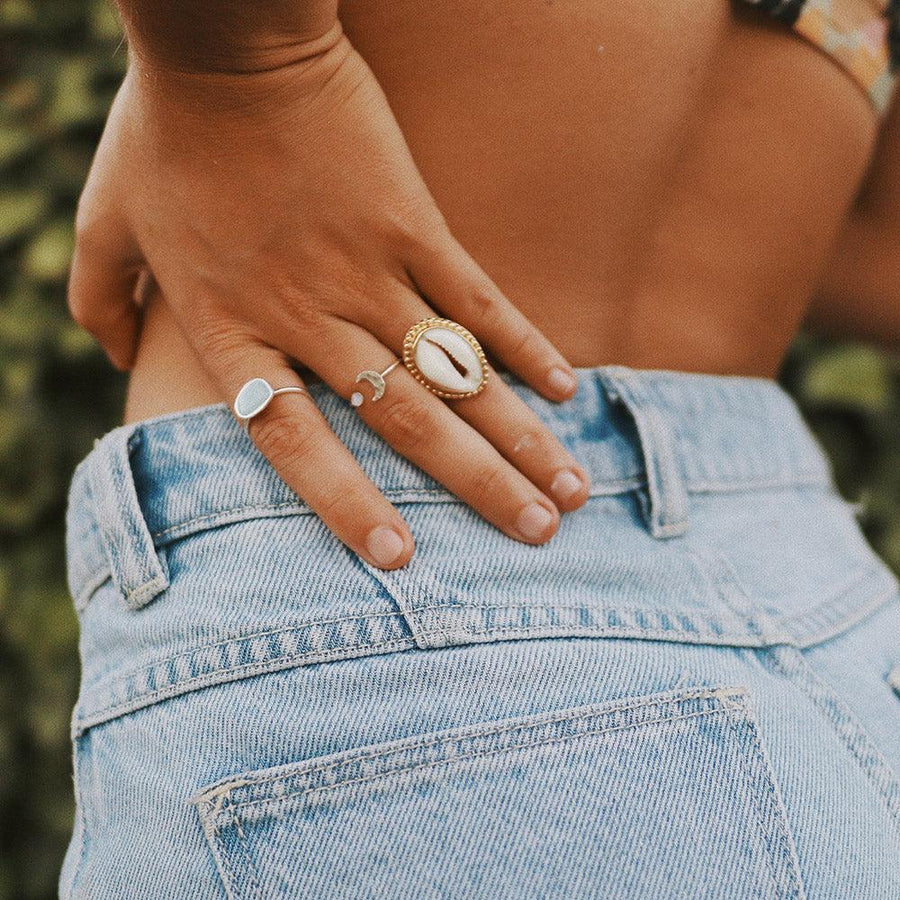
{"type": "Point", "coordinates": [693, 690]}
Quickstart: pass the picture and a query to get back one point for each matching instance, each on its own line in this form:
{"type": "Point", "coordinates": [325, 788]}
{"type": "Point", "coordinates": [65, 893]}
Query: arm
{"type": "Point", "coordinates": [252, 165]}
{"type": "Point", "coordinates": [859, 292]}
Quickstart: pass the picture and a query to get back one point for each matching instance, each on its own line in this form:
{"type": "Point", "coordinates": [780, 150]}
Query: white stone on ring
{"type": "Point", "coordinates": [256, 395]}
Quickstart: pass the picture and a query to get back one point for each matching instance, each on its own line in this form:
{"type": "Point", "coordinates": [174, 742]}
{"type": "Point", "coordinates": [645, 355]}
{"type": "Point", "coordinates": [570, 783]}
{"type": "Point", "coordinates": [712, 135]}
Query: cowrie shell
{"type": "Point", "coordinates": [445, 357]}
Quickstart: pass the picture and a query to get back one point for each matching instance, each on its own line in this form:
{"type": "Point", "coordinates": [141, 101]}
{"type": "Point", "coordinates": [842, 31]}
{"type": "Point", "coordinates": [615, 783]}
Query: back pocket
{"type": "Point", "coordinates": [666, 795]}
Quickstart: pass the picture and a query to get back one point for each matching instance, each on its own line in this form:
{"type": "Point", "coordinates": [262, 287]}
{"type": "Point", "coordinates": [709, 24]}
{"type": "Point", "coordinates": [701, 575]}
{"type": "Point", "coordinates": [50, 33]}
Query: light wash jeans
{"type": "Point", "coordinates": [690, 691]}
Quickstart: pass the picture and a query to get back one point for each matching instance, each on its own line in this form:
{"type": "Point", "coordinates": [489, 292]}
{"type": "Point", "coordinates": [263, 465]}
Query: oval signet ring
{"type": "Point", "coordinates": [255, 396]}
{"type": "Point", "coordinates": [445, 357]}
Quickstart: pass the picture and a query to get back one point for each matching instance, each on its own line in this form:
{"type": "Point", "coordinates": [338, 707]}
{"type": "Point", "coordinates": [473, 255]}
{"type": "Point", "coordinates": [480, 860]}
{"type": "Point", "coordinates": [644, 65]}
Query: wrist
{"type": "Point", "coordinates": [209, 38]}
{"type": "Point", "coordinates": [265, 85]}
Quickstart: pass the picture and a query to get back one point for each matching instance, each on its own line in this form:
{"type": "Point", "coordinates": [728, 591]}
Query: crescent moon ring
{"type": "Point", "coordinates": [376, 379]}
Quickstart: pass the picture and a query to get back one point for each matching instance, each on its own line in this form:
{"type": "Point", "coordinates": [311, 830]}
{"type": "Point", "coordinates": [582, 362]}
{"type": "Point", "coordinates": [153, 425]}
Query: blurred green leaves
{"type": "Point", "coordinates": [60, 64]}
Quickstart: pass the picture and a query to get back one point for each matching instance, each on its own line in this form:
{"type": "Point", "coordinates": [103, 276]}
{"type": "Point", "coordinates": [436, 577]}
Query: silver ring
{"type": "Point", "coordinates": [376, 379]}
{"type": "Point", "coordinates": [256, 395]}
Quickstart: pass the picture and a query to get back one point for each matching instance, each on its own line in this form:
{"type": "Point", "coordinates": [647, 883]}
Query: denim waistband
{"type": "Point", "coordinates": [664, 434]}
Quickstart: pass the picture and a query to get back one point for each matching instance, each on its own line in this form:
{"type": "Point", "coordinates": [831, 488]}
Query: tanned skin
{"type": "Point", "coordinates": [577, 183]}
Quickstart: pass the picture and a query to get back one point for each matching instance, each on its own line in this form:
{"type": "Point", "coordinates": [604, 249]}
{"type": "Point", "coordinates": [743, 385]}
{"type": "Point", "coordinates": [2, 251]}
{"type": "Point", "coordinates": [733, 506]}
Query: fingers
{"type": "Point", "coordinates": [522, 438]}
{"type": "Point", "coordinates": [456, 286]}
{"type": "Point", "coordinates": [424, 429]}
{"type": "Point", "coordinates": [296, 438]}
{"type": "Point", "coordinates": [497, 413]}
{"type": "Point", "coordinates": [105, 268]}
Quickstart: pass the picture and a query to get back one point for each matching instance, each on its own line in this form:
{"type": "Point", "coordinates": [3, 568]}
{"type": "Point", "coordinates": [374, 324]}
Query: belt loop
{"type": "Point", "coordinates": [666, 504]}
{"type": "Point", "coordinates": [139, 571]}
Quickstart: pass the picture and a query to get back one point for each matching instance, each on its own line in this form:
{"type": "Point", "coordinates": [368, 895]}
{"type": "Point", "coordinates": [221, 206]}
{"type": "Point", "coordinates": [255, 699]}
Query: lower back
{"type": "Point", "coordinates": [652, 188]}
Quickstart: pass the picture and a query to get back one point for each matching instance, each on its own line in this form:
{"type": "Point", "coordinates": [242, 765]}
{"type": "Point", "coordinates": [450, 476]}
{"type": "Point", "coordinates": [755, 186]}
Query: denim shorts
{"type": "Point", "coordinates": [692, 690]}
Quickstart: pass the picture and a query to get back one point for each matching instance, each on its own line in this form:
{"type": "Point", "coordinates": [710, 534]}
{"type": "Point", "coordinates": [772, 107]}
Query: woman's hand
{"type": "Point", "coordinates": [283, 218]}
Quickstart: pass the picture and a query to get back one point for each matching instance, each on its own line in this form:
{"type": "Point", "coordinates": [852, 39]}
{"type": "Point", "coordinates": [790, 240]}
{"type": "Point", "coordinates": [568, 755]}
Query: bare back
{"type": "Point", "coordinates": [656, 185]}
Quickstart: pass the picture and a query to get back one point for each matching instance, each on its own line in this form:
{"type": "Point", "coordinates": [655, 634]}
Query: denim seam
{"type": "Point", "coordinates": [407, 607]}
{"type": "Point", "coordinates": [845, 725]}
{"type": "Point", "coordinates": [365, 617]}
{"type": "Point", "coordinates": [484, 729]}
{"type": "Point", "coordinates": [844, 608]}
{"type": "Point", "coordinates": [221, 858]}
{"type": "Point", "coordinates": [731, 590]}
{"type": "Point", "coordinates": [224, 675]}
{"type": "Point", "coordinates": [767, 853]}
{"type": "Point", "coordinates": [251, 866]}
{"type": "Point", "coordinates": [229, 876]}
{"type": "Point", "coordinates": [801, 479]}
{"type": "Point", "coordinates": [82, 818]}
{"type": "Point", "coordinates": [775, 815]}
{"type": "Point", "coordinates": [616, 729]}
{"type": "Point", "coordinates": [599, 630]}
{"type": "Point", "coordinates": [275, 663]}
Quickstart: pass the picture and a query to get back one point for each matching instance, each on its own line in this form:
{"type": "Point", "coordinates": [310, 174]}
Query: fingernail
{"type": "Point", "coordinates": [533, 521]}
{"type": "Point", "coordinates": [384, 545]}
{"type": "Point", "coordinates": [561, 380]}
{"type": "Point", "coordinates": [565, 484]}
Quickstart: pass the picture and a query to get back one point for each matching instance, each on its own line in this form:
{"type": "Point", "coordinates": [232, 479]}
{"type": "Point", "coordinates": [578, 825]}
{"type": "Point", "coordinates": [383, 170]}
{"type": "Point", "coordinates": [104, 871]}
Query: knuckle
{"type": "Point", "coordinates": [278, 436]}
{"type": "Point", "coordinates": [407, 423]}
{"type": "Point", "coordinates": [521, 340]}
{"type": "Point", "coordinates": [340, 507]}
{"type": "Point", "coordinates": [304, 304]}
{"type": "Point", "coordinates": [90, 240]}
{"type": "Point", "coordinates": [488, 482]}
{"type": "Point", "coordinates": [484, 305]}
{"type": "Point", "coordinates": [79, 307]}
{"type": "Point", "coordinates": [217, 336]}
{"type": "Point", "coordinates": [534, 441]}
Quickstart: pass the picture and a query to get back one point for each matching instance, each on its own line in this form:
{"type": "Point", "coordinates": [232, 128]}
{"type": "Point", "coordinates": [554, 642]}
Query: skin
{"type": "Point", "coordinates": [576, 183]}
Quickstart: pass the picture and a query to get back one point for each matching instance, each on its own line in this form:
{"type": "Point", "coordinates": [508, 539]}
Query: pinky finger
{"type": "Point", "coordinates": [101, 296]}
{"type": "Point", "coordinates": [454, 283]}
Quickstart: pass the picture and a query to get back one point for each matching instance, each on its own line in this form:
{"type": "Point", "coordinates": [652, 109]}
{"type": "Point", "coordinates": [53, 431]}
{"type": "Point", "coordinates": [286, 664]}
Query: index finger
{"type": "Point", "coordinates": [297, 439]}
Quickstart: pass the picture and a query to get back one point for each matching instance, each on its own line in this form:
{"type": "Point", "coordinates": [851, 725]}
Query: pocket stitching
{"type": "Point", "coordinates": [254, 875]}
{"type": "Point", "coordinates": [716, 711]}
{"type": "Point", "coordinates": [733, 702]}
{"type": "Point", "coordinates": [756, 765]}
{"type": "Point", "coordinates": [736, 695]}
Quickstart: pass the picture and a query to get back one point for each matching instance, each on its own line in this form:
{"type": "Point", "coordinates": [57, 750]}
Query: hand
{"type": "Point", "coordinates": [283, 218]}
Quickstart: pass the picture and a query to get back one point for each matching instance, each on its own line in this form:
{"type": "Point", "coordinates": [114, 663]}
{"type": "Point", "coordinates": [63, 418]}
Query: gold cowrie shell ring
{"type": "Point", "coordinates": [445, 357]}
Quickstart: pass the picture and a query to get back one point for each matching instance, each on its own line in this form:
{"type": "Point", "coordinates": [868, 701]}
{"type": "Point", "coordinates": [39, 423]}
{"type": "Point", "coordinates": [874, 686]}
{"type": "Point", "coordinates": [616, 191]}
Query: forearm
{"type": "Point", "coordinates": [859, 293]}
{"type": "Point", "coordinates": [226, 35]}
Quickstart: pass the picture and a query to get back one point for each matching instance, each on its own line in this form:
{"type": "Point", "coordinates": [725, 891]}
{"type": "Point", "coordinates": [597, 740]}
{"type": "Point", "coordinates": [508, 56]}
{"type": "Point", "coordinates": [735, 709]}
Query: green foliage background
{"type": "Point", "coordinates": [60, 63]}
